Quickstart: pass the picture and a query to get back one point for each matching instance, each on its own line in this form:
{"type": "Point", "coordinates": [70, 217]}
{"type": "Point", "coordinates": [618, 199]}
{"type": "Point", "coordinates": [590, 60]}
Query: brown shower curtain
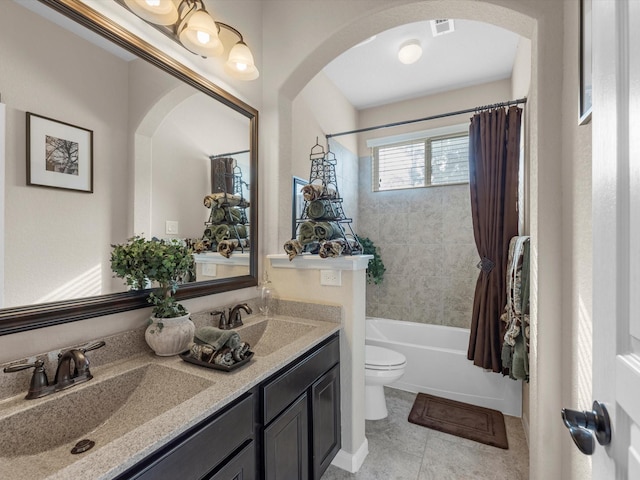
{"type": "Point", "coordinates": [494, 149]}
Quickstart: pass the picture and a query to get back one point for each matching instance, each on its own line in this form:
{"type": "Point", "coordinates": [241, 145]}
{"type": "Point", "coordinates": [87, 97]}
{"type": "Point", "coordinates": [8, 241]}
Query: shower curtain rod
{"type": "Point", "coordinates": [230, 154]}
{"type": "Point", "coordinates": [432, 117]}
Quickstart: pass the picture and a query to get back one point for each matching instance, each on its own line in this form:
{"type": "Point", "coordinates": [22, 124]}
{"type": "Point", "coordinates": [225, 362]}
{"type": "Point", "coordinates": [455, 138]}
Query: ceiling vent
{"type": "Point", "coordinates": [440, 27]}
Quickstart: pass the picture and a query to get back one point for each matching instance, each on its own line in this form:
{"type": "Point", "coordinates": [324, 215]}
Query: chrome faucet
{"type": "Point", "coordinates": [235, 316]}
{"type": "Point", "coordinates": [65, 377]}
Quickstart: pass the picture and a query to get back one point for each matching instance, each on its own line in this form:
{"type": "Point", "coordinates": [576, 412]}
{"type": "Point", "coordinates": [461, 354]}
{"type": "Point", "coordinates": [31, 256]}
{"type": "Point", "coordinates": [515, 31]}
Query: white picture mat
{"type": "Point", "coordinates": [39, 129]}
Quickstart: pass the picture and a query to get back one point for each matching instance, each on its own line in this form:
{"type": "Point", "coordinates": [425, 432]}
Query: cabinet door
{"type": "Point", "coordinates": [325, 405]}
{"type": "Point", "coordinates": [241, 467]}
{"type": "Point", "coordinates": [286, 444]}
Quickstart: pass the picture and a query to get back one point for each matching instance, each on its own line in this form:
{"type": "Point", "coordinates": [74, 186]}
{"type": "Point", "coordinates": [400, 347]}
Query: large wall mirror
{"type": "Point", "coordinates": [155, 126]}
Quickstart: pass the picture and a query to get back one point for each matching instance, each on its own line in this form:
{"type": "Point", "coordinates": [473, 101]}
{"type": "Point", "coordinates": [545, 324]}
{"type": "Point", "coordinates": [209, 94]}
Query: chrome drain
{"type": "Point", "coordinates": [82, 446]}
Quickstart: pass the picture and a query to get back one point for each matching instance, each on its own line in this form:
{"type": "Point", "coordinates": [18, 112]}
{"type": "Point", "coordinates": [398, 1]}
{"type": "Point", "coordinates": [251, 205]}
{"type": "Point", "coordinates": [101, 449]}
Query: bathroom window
{"type": "Point", "coordinates": [423, 162]}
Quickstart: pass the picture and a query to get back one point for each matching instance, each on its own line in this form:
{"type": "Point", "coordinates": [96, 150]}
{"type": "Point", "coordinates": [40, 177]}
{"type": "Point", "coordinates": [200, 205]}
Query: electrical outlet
{"type": "Point", "coordinates": [171, 227]}
{"type": "Point", "coordinates": [331, 278]}
{"type": "Point", "coordinates": [209, 269]}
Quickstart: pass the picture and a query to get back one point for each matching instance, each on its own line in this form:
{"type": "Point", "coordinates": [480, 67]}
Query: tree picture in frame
{"type": "Point", "coordinates": [59, 155]}
{"type": "Point", "coordinates": [297, 203]}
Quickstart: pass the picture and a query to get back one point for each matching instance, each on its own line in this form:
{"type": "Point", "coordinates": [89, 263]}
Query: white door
{"type": "Point", "coordinates": [616, 232]}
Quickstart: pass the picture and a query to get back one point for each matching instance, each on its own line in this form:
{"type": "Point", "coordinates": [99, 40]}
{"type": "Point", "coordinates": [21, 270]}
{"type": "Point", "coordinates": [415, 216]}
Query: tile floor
{"type": "Point", "coordinates": [404, 451]}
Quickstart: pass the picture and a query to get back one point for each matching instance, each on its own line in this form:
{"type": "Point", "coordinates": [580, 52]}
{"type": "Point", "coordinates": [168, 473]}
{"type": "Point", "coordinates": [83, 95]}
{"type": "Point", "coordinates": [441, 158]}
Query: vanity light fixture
{"type": "Point", "coordinates": [188, 23]}
{"type": "Point", "coordinates": [410, 52]}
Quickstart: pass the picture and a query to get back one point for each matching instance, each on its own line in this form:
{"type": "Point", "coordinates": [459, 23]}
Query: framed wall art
{"type": "Point", "coordinates": [59, 155]}
{"type": "Point", "coordinates": [585, 100]}
{"type": "Point", "coordinates": [297, 203]}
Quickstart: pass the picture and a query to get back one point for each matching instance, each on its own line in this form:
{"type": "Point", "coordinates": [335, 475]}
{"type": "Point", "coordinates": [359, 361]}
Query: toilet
{"type": "Point", "coordinates": [382, 367]}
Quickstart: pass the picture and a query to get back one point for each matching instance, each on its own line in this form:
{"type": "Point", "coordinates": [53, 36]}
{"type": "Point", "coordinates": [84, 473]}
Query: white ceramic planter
{"type": "Point", "coordinates": [172, 338]}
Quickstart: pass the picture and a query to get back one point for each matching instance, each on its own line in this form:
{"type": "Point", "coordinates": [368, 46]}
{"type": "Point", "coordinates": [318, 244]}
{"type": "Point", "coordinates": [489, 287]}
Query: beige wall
{"type": "Point", "coordinates": [51, 255]}
{"type": "Point", "coordinates": [577, 243]}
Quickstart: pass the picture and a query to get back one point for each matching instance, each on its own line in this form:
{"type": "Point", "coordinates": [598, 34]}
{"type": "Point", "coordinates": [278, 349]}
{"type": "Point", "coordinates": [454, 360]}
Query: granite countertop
{"type": "Point", "coordinates": [116, 449]}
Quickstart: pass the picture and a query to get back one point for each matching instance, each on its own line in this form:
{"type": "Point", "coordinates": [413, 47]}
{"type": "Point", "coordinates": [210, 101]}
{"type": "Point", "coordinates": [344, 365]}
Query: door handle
{"type": "Point", "coordinates": [586, 427]}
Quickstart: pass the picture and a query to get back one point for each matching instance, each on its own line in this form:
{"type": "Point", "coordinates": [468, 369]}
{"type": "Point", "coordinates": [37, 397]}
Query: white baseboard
{"type": "Point", "coordinates": [351, 462]}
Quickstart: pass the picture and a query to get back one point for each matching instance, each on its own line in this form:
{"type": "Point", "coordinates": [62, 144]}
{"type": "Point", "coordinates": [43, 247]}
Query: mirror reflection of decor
{"type": "Point", "coordinates": [227, 228]}
{"type": "Point", "coordinates": [297, 203]}
{"type": "Point", "coordinates": [59, 155]}
{"type": "Point", "coordinates": [586, 82]}
{"type": "Point", "coordinates": [86, 229]}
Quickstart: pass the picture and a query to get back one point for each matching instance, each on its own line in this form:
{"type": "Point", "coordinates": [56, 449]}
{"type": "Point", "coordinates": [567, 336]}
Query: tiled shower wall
{"type": "Point", "coordinates": [425, 237]}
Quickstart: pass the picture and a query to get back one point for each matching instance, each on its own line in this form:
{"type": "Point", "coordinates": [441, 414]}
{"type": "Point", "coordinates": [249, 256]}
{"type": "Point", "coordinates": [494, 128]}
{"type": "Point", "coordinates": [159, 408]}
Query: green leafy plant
{"type": "Point", "coordinates": [375, 268]}
{"type": "Point", "coordinates": [162, 262]}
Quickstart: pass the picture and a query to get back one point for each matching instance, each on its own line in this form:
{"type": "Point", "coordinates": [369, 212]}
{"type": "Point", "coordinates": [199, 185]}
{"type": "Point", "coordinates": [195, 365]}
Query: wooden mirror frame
{"type": "Point", "coordinates": [29, 317]}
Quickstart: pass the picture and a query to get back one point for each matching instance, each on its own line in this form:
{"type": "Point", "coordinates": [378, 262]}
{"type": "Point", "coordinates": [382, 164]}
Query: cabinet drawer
{"type": "Point", "coordinates": [283, 390]}
{"type": "Point", "coordinates": [205, 447]}
{"type": "Point", "coordinates": [241, 467]}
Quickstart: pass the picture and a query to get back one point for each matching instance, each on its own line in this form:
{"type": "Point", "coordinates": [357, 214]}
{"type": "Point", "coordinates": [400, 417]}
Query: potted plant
{"type": "Point", "coordinates": [159, 264]}
{"type": "Point", "coordinates": [375, 267]}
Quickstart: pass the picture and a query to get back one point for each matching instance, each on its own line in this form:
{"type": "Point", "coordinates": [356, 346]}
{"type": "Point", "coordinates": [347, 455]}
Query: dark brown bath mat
{"type": "Point", "coordinates": [481, 424]}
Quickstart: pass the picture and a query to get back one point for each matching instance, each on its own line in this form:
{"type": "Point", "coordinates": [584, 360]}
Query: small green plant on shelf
{"type": "Point", "coordinates": [143, 263]}
{"type": "Point", "coordinates": [375, 268]}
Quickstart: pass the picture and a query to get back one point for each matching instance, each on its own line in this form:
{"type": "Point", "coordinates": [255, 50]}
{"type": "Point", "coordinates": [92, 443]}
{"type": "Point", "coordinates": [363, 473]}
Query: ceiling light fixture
{"type": "Point", "coordinates": [188, 23]}
{"type": "Point", "coordinates": [410, 52]}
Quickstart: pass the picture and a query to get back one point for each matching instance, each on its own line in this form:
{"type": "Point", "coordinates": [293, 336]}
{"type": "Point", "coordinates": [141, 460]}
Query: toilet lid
{"type": "Point", "coordinates": [379, 357]}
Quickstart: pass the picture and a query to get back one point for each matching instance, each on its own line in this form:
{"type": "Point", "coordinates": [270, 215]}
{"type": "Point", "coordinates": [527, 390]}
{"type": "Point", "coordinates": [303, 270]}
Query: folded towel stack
{"type": "Point", "coordinates": [293, 248]}
{"type": "Point", "coordinates": [225, 199]}
{"type": "Point", "coordinates": [226, 247]}
{"type": "Point", "coordinates": [221, 214]}
{"type": "Point", "coordinates": [218, 233]}
{"type": "Point", "coordinates": [321, 210]}
{"type": "Point", "coordinates": [312, 192]}
{"type": "Point", "coordinates": [318, 231]}
{"type": "Point", "coordinates": [220, 347]}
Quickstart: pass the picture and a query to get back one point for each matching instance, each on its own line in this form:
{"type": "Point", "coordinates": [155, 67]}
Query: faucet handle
{"type": "Point", "coordinates": [222, 324]}
{"type": "Point", "coordinates": [92, 346]}
{"type": "Point", "coordinates": [39, 380]}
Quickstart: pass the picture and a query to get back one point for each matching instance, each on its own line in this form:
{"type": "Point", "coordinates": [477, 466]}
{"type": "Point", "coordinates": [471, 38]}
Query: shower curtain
{"type": "Point", "coordinates": [494, 148]}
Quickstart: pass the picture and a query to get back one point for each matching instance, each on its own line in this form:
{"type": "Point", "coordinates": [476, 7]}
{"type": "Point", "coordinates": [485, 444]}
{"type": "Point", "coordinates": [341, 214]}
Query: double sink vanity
{"type": "Point", "coordinates": [162, 418]}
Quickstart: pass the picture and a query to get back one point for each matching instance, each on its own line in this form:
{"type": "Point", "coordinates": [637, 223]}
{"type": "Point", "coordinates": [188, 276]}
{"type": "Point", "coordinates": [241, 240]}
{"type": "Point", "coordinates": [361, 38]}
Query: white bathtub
{"type": "Point", "coordinates": [437, 364]}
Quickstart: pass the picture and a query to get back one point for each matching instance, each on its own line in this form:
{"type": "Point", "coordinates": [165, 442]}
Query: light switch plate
{"type": "Point", "coordinates": [171, 227]}
{"type": "Point", "coordinates": [331, 278]}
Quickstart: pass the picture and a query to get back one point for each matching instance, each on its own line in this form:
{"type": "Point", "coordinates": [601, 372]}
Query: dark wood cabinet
{"type": "Point", "coordinates": [325, 405]}
{"type": "Point", "coordinates": [285, 428]}
{"type": "Point", "coordinates": [204, 450]}
{"type": "Point", "coordinates": [301, 412]}
{"type": "Point", "coordinates": [286, 444]}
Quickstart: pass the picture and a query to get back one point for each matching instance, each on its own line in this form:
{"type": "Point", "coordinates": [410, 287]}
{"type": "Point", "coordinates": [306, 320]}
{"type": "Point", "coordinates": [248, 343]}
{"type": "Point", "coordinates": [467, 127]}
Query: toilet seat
{"type": "Point", "coordinates": [379, 358]}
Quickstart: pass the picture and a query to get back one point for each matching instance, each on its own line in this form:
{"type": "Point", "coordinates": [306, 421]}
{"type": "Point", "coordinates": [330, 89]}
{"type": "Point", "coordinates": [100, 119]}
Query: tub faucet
{"type": "Point", "coordinates": [235, 316]}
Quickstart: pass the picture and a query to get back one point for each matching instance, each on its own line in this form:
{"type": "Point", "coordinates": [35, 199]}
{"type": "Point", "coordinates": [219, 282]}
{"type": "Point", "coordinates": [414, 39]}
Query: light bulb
{"type": "Point", "coordinates": [161, 12]}
{"type": "Point", "coordinates": [203, 37]}
{"type": "Point", "coordinates": [200, 35]}
{"type": "Point", "coordinates": [240, 63]}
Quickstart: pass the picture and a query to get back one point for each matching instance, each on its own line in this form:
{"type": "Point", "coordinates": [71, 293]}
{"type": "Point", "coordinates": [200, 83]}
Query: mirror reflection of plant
{"type": "Point", "coordinates": [375, 267]}
{"type": "Point", "coordinates": [163, 262]}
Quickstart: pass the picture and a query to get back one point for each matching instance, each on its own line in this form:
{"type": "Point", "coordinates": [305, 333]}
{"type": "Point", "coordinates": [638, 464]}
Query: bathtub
{"type": "Point", "coordinates": [437, 364]}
